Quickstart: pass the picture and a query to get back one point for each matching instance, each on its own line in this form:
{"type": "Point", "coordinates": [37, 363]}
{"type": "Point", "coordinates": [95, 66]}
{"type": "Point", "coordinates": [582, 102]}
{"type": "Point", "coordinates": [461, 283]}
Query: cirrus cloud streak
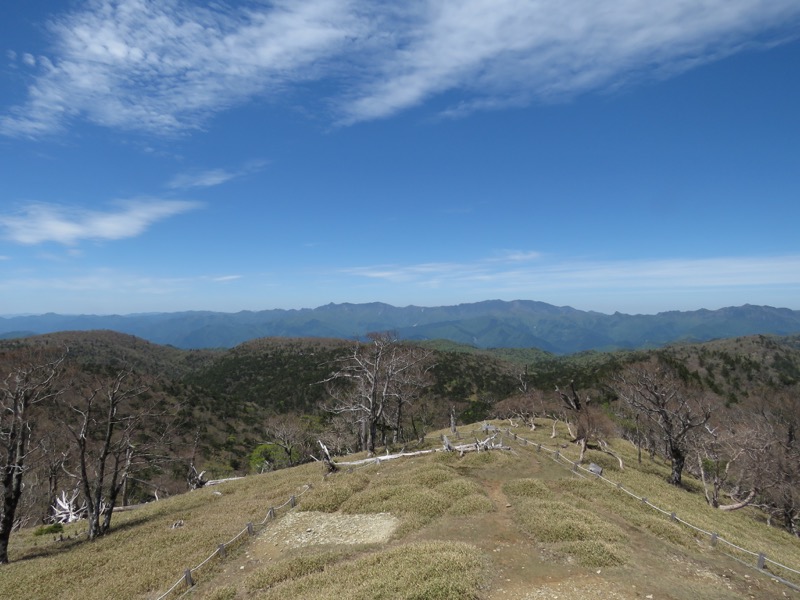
{"type": "Point", "coordinates": [544, 274]}
{"type": "Point", "coordinates": [168, 66]}
{"type": "Point", "coordinates": [40, 223]}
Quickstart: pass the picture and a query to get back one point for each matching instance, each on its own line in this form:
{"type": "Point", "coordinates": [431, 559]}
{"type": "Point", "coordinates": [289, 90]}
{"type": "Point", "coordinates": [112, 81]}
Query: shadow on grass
{"type": "Point", "coordinates": [63, 544]}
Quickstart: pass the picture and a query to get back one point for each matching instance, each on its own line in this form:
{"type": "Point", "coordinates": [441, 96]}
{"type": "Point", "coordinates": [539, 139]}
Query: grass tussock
{"type": "Point", "coordinates": [648, 479]}
{"type": "Point", "coordinates": [418, 491]}
{"type": "Point", "coordinates": [294, 567]}
{"type": "Point", "coordinates": [397, 499]}
{"type": "Point", "coordinates": [431, 476]}
{"type": "Point", "coordinates": [584, 520]}
{"type": "Point", "coordinates": [430, 570]}
{"type": "Point", "coordinates": [227, 592]}
{"type": "Point", "coordinates": [473, 459]}
{"type": "Point", "coordinates": [527, 488]}
{"type": "Point", "coordinates": [459, 488]}
{"type": "Point", "coordinates": [329, 496]}
{"type": "Point", "coordinates": [554, 521]}
{"type": "Point", "coordinates": [593, 553]}
{"type": "Point", "coordinates": [474, 504]}
{"type": "Point", "coordinates": [143, 555]}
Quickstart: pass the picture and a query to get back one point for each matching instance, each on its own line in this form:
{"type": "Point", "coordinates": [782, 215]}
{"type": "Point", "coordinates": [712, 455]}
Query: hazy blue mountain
{"type": "Point", "coordinates": [490, 324]}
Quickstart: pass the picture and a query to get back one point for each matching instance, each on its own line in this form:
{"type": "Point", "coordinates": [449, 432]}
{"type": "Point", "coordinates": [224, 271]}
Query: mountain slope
{"type": "Point", "coordinates": [489, 525]}
{"type": "Point", "coordinates": [490, 324]}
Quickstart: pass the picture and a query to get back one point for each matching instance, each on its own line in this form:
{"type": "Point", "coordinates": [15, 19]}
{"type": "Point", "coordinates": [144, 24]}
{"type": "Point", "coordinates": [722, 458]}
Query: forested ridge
{"type": "Point", "coordinates": [489, 324]}
{"type": "Point", "coordinates": [724, 411]}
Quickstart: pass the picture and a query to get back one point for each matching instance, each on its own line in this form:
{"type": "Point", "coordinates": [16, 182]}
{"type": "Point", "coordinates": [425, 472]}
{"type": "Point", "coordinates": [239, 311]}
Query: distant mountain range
{"type": "Point", "coordinates": [490, 324]}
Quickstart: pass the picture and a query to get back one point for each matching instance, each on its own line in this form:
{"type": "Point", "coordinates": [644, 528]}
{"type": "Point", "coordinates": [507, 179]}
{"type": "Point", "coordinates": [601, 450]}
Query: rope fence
{"type": "Point", "coordinates": [761, 561]}
{"type": "Point", "coordinates": [754, 560]}
{"type": "Point", "coordinates": [188, 579]}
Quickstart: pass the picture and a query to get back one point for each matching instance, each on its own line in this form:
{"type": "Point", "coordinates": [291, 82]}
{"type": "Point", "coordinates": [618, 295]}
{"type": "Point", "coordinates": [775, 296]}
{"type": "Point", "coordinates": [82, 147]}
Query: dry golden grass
{"type": "Point", "coordinates": [648, 479]}
{"type": "Point", "coordinates": [422, 570]}
{"type": "Point", "coordinates": [418, 491]}
{"type": "Point", "coordinates": [583, 521]}
{"type": "Point", "coordinates": [143, 554]}
{"type": "Point", "coordinates": [294, 567]}
{"type": "Point", "coordinates": [474, 504]}
{"type": "Point", "coordinates": [595, 553]}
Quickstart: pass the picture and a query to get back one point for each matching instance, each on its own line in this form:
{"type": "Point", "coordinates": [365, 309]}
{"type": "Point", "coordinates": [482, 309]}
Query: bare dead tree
{"type": "Point", "coordinates": [291, 434]}
{"type": "Point", "coordinates": [410, 383]}
{"type": "Point", "coordinates": [716, 454]}
{"type": "Point", "coordinates": [524, 380]}
{"type": "Point", "coordinates": [779, 464]}
{"type": "Point", "coordinates": [675, 410]}
{"type": "Point", "coordinates": [571, 403]}
{"type": "Point", "coordinates": [376, 378]}
{"type": "Point", "coordinates": [592, 426]}
{"type": "Point", "coordinates": [327, 460]}
{"type": "Point", "coordinates": [194, 478]}
{"type": "Point", "coordinates": [26, 387]}
{"type": "Point", "coordinates": [54, 457]}
{"type": "Point", "coordinates": [522, 407]}
{"type": "Point", "coordinates": [104, 424]}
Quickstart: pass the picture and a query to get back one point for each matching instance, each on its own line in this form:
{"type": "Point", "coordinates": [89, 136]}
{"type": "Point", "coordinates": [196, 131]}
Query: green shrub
{"type": "Point", "coordinates": [49, 529]}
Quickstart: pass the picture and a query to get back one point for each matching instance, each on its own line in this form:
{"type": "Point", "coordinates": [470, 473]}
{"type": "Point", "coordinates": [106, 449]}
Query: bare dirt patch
{"type": "Point", "coordinates": [299, 529]}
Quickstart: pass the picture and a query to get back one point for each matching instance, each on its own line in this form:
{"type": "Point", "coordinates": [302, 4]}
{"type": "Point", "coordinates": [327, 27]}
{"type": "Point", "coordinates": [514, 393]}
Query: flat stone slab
{"type": "Point", "coordinates": [299, 528]}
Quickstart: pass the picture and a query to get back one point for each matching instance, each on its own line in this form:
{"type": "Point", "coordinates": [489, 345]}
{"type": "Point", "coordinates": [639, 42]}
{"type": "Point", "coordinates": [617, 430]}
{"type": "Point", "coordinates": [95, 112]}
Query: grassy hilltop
{"type": "Point", "coordinates": [498, 524]}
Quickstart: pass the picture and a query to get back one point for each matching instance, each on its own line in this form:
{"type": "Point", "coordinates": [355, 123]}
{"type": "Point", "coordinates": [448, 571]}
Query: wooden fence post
{"type": "Point", "coordinates": [762, 559]}
{"type": "Point", "coordinates": [271, 513]}
{"type": "Point", "coordinates": [187, 576]}
{"type": "Point", "coordinates": [292, 502]}
{"type": "Point", "coordinates": [714, 537]}
{"type": "Point", "coordinates": [221, 550]}
{"type": "Point", "coordinates": [250, 529]}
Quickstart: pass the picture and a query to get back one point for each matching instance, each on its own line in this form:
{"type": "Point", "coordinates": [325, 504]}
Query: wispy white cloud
{"type": "Point", "coordinates": [502, 53]}
{"type": "Point", "coordinates": [543, 274]}
{"type": "Point", "coordinates": [39, 223]}
{"type": "Point", "coordinates": [213, 177]}
{"type": "Point", "coordinates": [169, 65]}
{"type": "Point", "coordinates": [101, 290]}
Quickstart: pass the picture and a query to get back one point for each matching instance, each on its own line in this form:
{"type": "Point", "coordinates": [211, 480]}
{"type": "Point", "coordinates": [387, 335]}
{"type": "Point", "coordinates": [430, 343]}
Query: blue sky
{"type": "Point", "coordinates": [623, 156]}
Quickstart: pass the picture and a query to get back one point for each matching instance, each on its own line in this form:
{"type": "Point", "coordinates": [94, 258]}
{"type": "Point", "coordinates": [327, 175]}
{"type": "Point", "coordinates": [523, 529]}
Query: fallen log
{"type": "Point", "coordinates": [477, 446]}
{"type": "Point", "coordinates": [218, 481]}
